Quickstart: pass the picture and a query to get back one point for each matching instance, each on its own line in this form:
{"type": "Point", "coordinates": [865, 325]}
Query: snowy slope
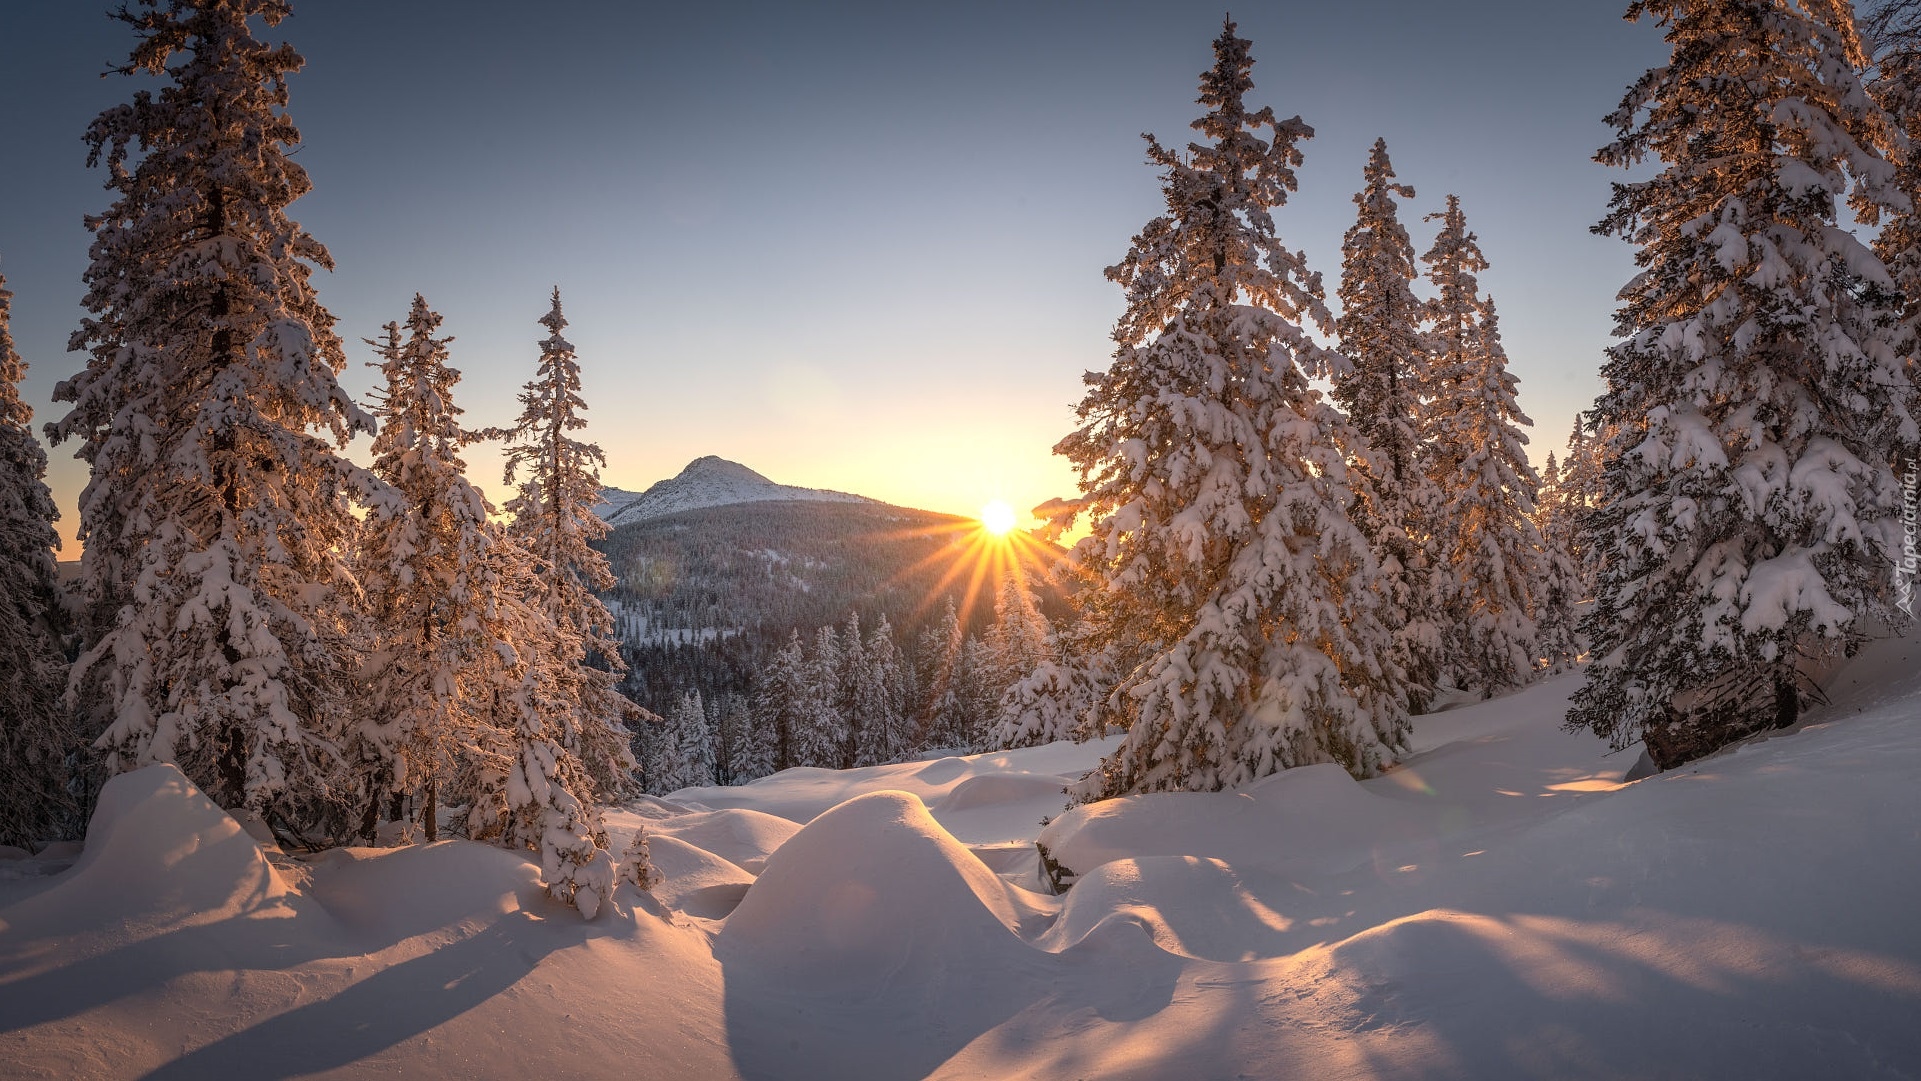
{"type": "Point", "coordinates": [707, 482]}
{"type": "Point", "coordinates": [1499, 906]}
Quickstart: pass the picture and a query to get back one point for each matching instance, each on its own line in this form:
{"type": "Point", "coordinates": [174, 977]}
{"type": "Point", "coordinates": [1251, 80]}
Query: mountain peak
{"type": "Point", "coordinates": [708, 481]}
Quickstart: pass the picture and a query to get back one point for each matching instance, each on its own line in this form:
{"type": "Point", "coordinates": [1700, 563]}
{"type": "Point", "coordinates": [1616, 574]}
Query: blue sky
{"type": "Point", "coordinates": [853, 246]}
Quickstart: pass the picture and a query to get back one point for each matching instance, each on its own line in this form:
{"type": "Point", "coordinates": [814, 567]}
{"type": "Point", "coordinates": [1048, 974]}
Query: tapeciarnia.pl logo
{"type": "Point", "coordinates": [1905, 567]}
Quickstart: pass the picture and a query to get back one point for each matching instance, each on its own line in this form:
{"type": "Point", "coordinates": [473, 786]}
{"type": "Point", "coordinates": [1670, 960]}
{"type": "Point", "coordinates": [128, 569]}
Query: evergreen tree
{"type": "Point", "coordinates": [1380, 332]}
{"type": "Point", "coordinates": [1059, 699]}
{"type": "Point", "coordinates": [938, 656]}
{"type": "Point", "coordinates": [1559, 593]}
{"type": "Point", "coordinates": [1758, 394]}
{"type": "Point", "coordinates": [1894, 28]}
{"type": "Point", "coordinates": [1219, 495]}
{"type": "Point", "coordinates": [36, 728]}
{"type": "Point", "coordinates": [884, 731]}
{"type": "Point", "coordinates": [691, 762]}
{"type": "Point", "coordinates": [554, 521]}
{"type": "Point", "coordinates": [849, 686]}
{"type": "Point", "coordinates": [822, 742]}
{"type": "Point", "coordinates": [220, 616]}
{"type": "Point", "coordinates": [1580, 492]}
{"type": "Point", "coordinates": [1490, 554]}
{"type": "Point", "coordinates": [434, 578]}
{"type": "Point", "coordinates": [782, 711]}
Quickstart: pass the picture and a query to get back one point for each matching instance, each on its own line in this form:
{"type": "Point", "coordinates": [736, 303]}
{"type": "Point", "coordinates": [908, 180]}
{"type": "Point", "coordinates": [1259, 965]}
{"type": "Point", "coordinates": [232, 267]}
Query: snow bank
{"type": "Point", "coordinates": [1314, 813]}
{"type": "Point", "coordinates": [873, 888]}
{"type": "Point", "coordinates": [1193, 907]}
{"type": "Point", "coordinates": [158, 854]}
{"type": "Point", "coordinates": [740, 836]}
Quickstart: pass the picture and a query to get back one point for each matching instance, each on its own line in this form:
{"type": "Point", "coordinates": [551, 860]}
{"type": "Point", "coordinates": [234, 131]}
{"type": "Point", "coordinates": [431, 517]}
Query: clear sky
{"type": "Point", "coordinates": [852, 246]}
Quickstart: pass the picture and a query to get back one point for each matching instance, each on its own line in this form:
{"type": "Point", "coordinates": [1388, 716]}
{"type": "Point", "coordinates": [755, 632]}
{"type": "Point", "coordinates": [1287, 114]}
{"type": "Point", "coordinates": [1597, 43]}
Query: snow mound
{"type": "Point", "coordinates": [159, 853]}
{"type": "Point", "coordinates": [444, 884]}
{"type": "Point", "coordinates": [696, 881]}
{"type": "Point", "coordinates": [707, 482]}
{"type": "Point", "coordinates": [943, 770]}
{"type": "Point", "coordinates": [740, 836]}
{"type": "Point", "coordinates": [1312, 813]}
{"type": "Point", "coordinates": [994, 789]}
{"type": "Point", "coordinates": [1192, 907]}
{"type": "Point", "coordinates": [873, 887]}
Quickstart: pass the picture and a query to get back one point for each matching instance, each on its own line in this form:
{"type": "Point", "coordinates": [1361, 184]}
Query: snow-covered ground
{"type": "Point", "coordinates": [1499, 906]}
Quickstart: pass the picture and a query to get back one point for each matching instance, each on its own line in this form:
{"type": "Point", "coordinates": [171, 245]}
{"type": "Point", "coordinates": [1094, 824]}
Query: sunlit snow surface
{"type": "Point", "coordinates": [1498, 906]}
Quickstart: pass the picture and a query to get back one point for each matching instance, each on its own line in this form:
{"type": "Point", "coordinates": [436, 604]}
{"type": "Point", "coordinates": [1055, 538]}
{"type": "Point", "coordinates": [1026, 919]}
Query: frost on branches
{"type": "Point", "coordinates": [1759, 395]}
{"type": "Point", "coordinates": [36, 731]}
{"type": "Point", "coordinates": [1217, 484]}
{"type": "Point", "coordinates": [554, 523]}
{"type": "Point", "coordinates": [219, 614]}
{"type": "Point", "coordinates": [470, 690]}
{"type": "Point", "coordinates": [1381, 335]}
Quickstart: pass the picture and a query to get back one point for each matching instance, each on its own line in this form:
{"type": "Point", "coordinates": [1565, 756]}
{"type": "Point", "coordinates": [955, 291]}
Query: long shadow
{"type": "Point", "coordinates": [381, 1011]}
{"type": "Point", "coordinates": [901, 1025]}
{"type": "Point", "coordinates": [245, 941]}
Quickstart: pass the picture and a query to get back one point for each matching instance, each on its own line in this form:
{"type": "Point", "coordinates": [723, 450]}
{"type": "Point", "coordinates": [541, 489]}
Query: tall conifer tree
{"type": "Point", "coordinates": [1218, 488]}
{"type": "Point", "coordinates": [1759, 394]}
{"type": "Point", "coordinates": [554, 523]}
{"type": "Point", "coordinates": [37, 735]}
{"type": "Point", "coordinates": [1380, 333]}
{"type": "Point", "coordinates": [219, 611]}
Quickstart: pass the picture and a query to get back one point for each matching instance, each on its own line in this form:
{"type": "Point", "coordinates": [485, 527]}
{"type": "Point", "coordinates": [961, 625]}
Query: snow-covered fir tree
{"type": "Point", "coordinates": [37, 735]}
{"type": "Point", "coordinates": [937, 658]}
{"type": "Point", "coordinates": [1893, 28]}
{"type": "Point", "coordinates": [1579, 494]}
{"type": "Point", "coordinates": [219, 614]}
{"type": "Point", "coordinates": [470, 683]}
{"type": "Point", "coordinates": [426, 560]}
{"type": "Point", "coordinates": [1214, 477]}
{"type": "Point", "coordinates": [1758, 395]}
{"type": "Point", "coordinates": [1490, 554]}
{"type": "Point", "coordinates": [689, 761]}
{"type": "Point", "coordinates": [824, 739]}
{"type": "Point", "coordinates": [1558, 593]}
{"type": "Point", "coordinates": [1020, 638]}
{"type": "Point", "coordinates": [783, 706]}
{"type": "Point", "coordinates": [882, 726]}
{"type": "Point", "coordinates": [1059, 699]}
{"type": "Point", "coordinates": [554, 522]}
{"type": "Point", "coordinates": [1381, 333]}
{"type": "Point", "coordinates": [853, 690]}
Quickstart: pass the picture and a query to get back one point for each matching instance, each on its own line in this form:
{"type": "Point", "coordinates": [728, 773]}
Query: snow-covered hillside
{"type": "Point", "coordinates": [1499, 906]}
{"type": "Point", "coordinates": [707, 482]}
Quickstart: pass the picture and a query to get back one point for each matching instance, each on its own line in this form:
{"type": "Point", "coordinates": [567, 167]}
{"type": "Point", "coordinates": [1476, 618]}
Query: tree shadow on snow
{"type": "Point", "coordinates": [902, 1024]}
{"type": "Point", "coordinates": [387, 1008]}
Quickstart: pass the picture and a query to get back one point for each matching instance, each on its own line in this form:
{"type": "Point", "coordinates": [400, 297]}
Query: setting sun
{"type": "Point", "coordinates": [997, 517]}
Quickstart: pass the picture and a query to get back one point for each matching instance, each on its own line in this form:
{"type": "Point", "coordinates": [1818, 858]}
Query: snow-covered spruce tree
{"type": "Point", "coordinates": [1489, 556]}
{"type": "Point", "coordinates": [854, 694]}
{"type": "Point", "coordinates": [823, 740]}
{"type": "Point", "coordinates": [1581, 489]}
{"type": "Point", "coordinates": [1894, 31]}
{"type": "Point", "coordinates": [1558, 594]}
{"type": "Point", "coordinates": [688, 760]}
{"type": "Point", "coordinates": [938, 656]}
{"type": "Point", "coordinates": [219, 613]}
{"type": "Point", "coordinates": [1222, 547]}
{"type": "Point", "coordinates": [1058, 699]}
{"type": "Point", "coordinates": [554, 522]}
{"type": "Point", "coordinates": [882, 728]}
{"type": "Point", "coordinates": [1758, 397]}
{"type": "Point", "coordinates": [426, 559]}
{"type": "Point", "coordinates": [37, 734]}
{"type": "Point", "coordinates": [1381, 334]}
{"type": "Point", "coordinates": [782, 705]}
